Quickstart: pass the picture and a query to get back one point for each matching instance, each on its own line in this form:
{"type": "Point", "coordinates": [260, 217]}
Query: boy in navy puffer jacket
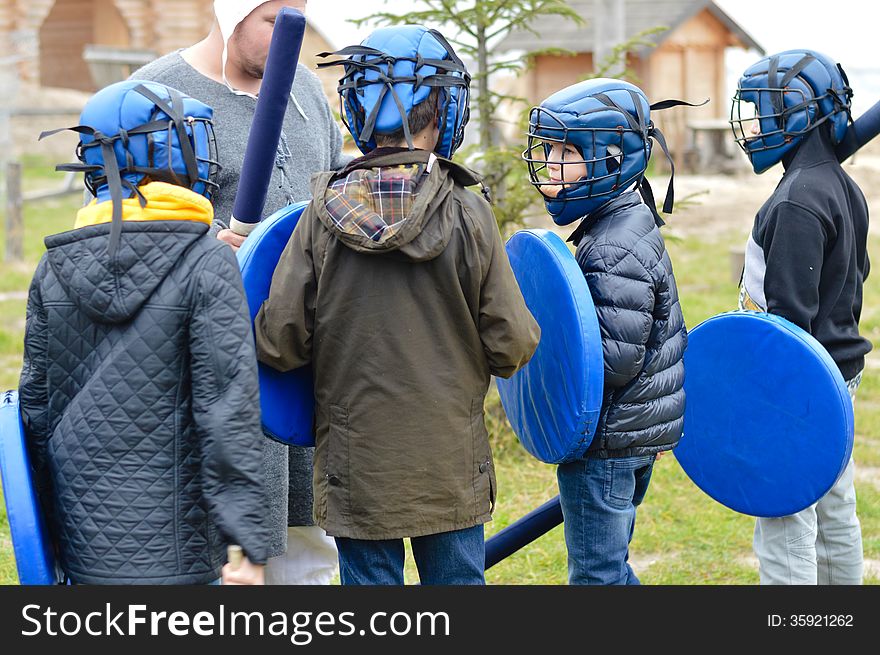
{"type": "Point", "coordinates": [589, 146]}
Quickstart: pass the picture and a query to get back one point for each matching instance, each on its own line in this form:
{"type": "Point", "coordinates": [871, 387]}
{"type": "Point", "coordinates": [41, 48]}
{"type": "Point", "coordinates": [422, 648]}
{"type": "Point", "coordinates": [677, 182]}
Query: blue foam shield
{"type": "Point", "coordinates": [287, 400]}
{"type": "Point", "coordinates": [553, 403]}
{"type": "Point", "coordinates": [30, 540]}
{"type": "Point", "coordinates": [769, 421]}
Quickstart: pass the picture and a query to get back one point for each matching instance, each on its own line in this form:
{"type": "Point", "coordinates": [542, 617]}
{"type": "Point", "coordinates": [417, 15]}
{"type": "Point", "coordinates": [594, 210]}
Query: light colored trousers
{"type": "Point", "coordinates": [310, 559]}
{"type": "Point", "coordinates": [819, 545]}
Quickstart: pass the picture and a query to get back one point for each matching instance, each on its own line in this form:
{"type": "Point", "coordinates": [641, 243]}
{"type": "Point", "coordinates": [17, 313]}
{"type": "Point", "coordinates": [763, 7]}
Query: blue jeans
{"type": "Point", "coordinates": [445, 558]}
{"type": "Point", "coordinates": [599, 499]}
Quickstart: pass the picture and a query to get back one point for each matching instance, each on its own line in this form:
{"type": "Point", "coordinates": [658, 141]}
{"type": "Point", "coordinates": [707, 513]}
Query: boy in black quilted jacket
{"type": "Point", "coordinates": [139, 391]}
{"type": "Point", "coordinates": [589, 146]}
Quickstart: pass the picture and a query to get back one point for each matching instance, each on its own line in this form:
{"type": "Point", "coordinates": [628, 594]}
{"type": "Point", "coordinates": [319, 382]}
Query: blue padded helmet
{"type": "Point", "coordinates": [393, 70]}
{"type": "Point", "coordinates": [608, 121]}
{"type": "Point", "coordinates": [134, 132]}
{"type": "Point", "coordinates": [790, 94]}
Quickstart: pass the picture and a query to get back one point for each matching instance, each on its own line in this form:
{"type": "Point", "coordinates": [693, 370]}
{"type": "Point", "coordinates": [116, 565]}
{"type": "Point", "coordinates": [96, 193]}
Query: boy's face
{"type": "Point", "coordinates": [748, 118]}
{"type": "Point", "coordinates": [564, 166]}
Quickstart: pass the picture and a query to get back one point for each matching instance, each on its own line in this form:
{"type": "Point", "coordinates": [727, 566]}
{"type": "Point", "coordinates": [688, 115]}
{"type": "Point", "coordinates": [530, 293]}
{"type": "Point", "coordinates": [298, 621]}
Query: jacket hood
{"type": "Point", "coordinates": [392, 200]}
{"type": "Point", "coordinates": [815, 148]}
{"type": "Point", "coordinates": [113, 290]}
{"type": "Point", "coordinates": [162, 202]}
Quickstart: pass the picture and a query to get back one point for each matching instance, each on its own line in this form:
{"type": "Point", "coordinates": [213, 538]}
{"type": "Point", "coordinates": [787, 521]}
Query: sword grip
{"type": "Point", "coordinates": [235, 555]}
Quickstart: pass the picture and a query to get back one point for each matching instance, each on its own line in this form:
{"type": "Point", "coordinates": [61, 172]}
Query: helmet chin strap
{"type": "Point", "coordinates": [650, 131]}
{"type": "Point", "coordinates": [115, 182]}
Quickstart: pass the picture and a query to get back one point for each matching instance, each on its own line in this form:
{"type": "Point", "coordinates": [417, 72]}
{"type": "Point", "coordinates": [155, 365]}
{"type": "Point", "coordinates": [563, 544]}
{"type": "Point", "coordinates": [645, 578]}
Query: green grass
{"type": "Point", "coordinates": [681, 537]}
{"type": "Point", "coordinates": [686, 537]}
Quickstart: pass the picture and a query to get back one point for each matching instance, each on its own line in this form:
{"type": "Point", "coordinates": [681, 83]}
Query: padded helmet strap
{"type": "Point", "coordinates": [792, 72]}
{"type": "Point", "coordinates": [578, 234]}
{"type": "Point", "coordinates": [633, 123]}
{"type": "Point", "coordinates": [847, 94]}
{"type": "Point", "coordinates": [656, 134]}
{"type": "Point", "coordinates": [648, 130]}
{"type": "Point", "coordinates": [370, 123]}
{"type": "Point", "coordinates": [775, 96]}
{"type": "Point", "coordinates": [176, 113]}
{"type": "Point", "coordinates": [647, 194]}
{"type": "Point", "coordinates": [110, 169]}
{"type": "Point", "coordinates": [454, 62]}
{"type": "Point", "coordinates": [660, 105]}
{"type": "Point", "coordinates": [638, 125]}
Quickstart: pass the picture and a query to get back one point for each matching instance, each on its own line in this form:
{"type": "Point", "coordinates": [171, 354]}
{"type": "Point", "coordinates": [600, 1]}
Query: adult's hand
{"type": "Point", "coordinates": [246, 574]}
{"type": "Point", "coordinates": [230, 237]}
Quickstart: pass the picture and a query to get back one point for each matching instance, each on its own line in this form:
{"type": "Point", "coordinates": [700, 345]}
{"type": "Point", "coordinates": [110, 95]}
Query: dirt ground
{"type": "Point", "coordinates": [732, 200]}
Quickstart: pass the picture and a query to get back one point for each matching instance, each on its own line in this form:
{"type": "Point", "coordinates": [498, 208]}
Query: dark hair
{"type": "Point", "coordinates": [421, 116]}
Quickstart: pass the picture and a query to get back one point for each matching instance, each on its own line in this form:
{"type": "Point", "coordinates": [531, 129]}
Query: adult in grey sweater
{"type": "Point", "coordinates": [310, 139]}
{"type": "Point", "coordinates": [310, 142]}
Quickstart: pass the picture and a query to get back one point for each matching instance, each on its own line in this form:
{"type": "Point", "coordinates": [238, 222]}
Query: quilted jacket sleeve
{"type": "Point", "coordinates": [508, 330]}
{"type": "Point", "coordinates": [33, 390]}
{"type": "Point", "coordinates": [286, 321]}
{"type": "Point", "coordinates": [623, 293]}
{"type": "Point", "coordinates": [226, 404]}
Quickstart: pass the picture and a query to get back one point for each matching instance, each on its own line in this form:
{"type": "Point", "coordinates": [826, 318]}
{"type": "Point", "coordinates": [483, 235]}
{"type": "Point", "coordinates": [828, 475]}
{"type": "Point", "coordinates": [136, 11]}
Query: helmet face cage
{"type": "Point", "coordinates": [788, 95]}
{"type": "Point", "coordinates": [604, 172]}
{"type": "Point", "coordinates": [776, 128]}
{"type": "Point", "coordinates": [455, 112]}
{"type": "Point", "coordinates": [200, 133]}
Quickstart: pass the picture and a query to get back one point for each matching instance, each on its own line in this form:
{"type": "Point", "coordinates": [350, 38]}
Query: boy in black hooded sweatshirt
{"type": "Point", "coordinates": [806, 260]}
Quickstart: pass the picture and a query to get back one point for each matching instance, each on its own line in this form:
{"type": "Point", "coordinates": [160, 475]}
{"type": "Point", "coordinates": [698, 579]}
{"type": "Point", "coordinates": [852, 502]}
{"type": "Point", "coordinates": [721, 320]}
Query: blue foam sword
{"type": "Point", "coordinates": [259, 156]}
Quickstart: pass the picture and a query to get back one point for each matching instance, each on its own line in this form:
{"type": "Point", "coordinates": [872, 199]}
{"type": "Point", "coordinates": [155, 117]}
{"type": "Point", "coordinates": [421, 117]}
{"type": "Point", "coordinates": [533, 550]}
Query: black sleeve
{"type": "Point", "coordinates": [226, 405]}
{"type": "Point", "coordinates": [33, 393]}
{"type": "Point", "coordinates": [794, 240]}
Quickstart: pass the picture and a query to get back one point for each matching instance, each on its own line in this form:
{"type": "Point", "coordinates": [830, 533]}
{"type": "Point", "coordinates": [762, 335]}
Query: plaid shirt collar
{"type": "Point", "coordinates": [376, 202]}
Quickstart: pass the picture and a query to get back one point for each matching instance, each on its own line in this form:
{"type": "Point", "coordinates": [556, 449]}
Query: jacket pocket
{"type": "Point", "coordinates": [336, 464]}
{"type": "Point", "coordinates": [484, 468]}
{"type": "Point", "coordinates": [620, 484]}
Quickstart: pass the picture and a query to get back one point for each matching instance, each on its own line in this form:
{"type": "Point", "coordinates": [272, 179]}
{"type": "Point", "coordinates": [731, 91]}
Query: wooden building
{"type": "Point", "coordinates": [47, 39]}
{"type": "Point", "coordinates": [687, 62]}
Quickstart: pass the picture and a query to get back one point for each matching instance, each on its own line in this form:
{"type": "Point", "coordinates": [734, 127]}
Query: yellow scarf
{"type": "Point", "coordinates": [165, 202]}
